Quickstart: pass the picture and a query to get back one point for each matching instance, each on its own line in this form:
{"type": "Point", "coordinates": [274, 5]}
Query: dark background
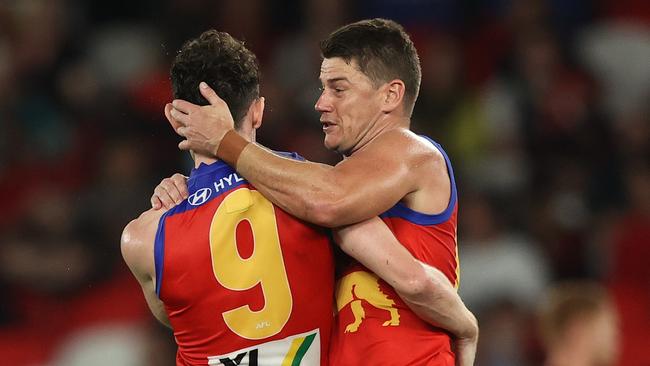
{"type": "Point", "coordinates": [542, 106]}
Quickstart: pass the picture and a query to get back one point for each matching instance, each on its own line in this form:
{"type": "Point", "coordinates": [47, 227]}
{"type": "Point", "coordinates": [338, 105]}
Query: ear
{"type": "Point", "coordinates": [394, 95]}
{"type": "Point", "coordinates": [257, 112]}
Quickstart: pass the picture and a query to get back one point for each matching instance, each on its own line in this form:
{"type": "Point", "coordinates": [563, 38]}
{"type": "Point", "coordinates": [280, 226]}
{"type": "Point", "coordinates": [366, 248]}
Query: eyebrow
{"type": "Point", "coordinates": [333, 80]}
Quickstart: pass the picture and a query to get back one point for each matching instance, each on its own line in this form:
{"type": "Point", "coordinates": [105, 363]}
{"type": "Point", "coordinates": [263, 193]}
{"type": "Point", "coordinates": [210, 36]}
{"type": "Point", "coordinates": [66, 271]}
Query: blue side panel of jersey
{"type": "Point", "coordinates": [159, 251]}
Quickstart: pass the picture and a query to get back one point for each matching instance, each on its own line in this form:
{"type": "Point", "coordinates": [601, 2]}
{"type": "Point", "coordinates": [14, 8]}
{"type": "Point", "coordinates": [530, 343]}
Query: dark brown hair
{"type": "Point", "coordinates": [382, 50]}
{"type": "Point", "coordinates": [225, 64]}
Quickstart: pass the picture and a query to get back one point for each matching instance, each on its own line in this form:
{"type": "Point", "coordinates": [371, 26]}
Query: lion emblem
{"type": "Point", "coordinates": [363, 286]}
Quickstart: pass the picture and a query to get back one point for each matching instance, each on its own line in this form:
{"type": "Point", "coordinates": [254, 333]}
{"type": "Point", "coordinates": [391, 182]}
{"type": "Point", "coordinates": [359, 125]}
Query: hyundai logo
{"type": "Point", "coordinates": [199, 197]}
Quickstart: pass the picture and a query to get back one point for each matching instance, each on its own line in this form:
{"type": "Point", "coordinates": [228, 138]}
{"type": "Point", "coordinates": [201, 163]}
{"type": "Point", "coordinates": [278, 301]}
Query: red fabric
{"type": "Point", "coordinates": [413, 341]}
{"type": "Point", "coordinates": [195, 300]}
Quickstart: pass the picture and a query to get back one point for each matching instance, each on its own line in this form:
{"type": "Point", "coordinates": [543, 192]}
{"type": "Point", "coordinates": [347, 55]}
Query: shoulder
{"type": "Point", "coordinates": [415, 151]}
{"type": "Point", "coordinates": [426, 171]}
{"type": "Point", "coordinates": [137, 241]}
{"type": "Point", "coordinates": [142, 227]}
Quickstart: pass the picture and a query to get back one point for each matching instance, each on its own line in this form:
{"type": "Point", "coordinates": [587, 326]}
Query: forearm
{"type": "Point", "coordinates": [299, 187]}
{"type": "Point", "coordinates": [438, 303]}
{"type": "Point", "coordinates": [372, 244]}
{"type": "Point", "coordinates": [354, 190]}
{"type": "Point", "coordinates": [425, 289]}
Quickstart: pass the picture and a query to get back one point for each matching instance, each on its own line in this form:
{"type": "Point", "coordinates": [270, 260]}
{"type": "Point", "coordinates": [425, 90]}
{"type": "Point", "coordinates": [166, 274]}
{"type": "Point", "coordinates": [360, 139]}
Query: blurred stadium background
{"type": "Point", "coordinates": [542, 105]}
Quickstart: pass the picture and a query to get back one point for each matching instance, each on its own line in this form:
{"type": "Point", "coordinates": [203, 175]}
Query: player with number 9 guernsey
{"type": "Point", "coordinates": [264, 278]}
{"type": "Point", "coordinates": [240, 281]}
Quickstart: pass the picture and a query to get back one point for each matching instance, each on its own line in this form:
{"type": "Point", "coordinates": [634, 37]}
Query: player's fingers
{"type": "Point", "coordinates": [183, 131]}
{"type": "Point", "coordinates": [179, 116]}
{"type": "Point", "coordinates": [210, 94]}
{"type": "Point", "coordinates": [180, 181]}
{"type": "Point", "coordinates": [168, 113]}
{"type": "Point", "coordinates": [185, 145]}
{"type": "Point", "coordinates": [168, 185]}
{"type": "Point", "coordinates": [184, 106]}
{"type": "Point", "coordinates": [164, 197]}
{"type": "Point", "coordinates": [155, 202]}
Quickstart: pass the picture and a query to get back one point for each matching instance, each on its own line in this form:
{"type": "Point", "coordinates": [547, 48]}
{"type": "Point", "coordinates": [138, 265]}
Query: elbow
{"type": "Point", "coordinates": [470, 329]}
{"type": "Point", "coordinates": [326, 212]}
{"type": "Point", "coordinates": [329, 204]}
{"type": "Point", "coordinates": [473, 331]}
{"type": "Point", "coordinates": [126, 237]}
{"type": "Point", "coordinates": [130, 230]}
{"type": "Point", "coordinates": [130, 241]}
{"type": "Point", "coordinates": [422, 287]}
{"type": "Point", "coordinates": [417, 287]}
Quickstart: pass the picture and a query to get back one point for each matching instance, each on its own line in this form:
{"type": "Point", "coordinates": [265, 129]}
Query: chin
{"type": "Point", "coordinates": [330, 145]}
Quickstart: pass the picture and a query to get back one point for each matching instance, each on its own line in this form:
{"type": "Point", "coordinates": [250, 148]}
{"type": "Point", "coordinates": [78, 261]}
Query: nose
{"type": "Point", "coordinates": [323, 104]}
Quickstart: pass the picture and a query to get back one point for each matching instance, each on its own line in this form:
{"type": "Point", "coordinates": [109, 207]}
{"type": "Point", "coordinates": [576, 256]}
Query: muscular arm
{"type": "Point", "coordinates": [423, 288]}
{"type": "Point", "coordinates": [356, 189]}
{"type": "Point", "coordinates": [137, 251]}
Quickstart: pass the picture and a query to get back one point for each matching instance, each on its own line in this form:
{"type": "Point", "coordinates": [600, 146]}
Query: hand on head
{"type": "Point", "coordinates": [203, 127]}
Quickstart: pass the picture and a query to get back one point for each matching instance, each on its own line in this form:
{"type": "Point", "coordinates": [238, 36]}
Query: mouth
{"type": "Point", "coordinates": [327, 125]}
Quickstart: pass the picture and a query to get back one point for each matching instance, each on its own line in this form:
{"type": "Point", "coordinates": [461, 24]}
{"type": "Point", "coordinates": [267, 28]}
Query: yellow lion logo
{"type": "Point", "coordinates": [358, 286]}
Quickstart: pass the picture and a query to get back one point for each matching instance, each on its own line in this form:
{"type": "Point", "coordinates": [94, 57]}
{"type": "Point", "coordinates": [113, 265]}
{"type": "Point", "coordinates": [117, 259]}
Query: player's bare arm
{"type": "Point", "coordinates": [423, 288]}
{"type": "Point", "coordinates": [137, 249]}
{"type": "Point", "coordinates": [378, 175]}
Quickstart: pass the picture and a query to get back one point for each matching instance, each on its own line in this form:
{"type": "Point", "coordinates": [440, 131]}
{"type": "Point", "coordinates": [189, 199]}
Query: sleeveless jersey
{"type": "Point", "coordinates": [373, 325]}
{"type": "Point", "coordinates": [242, 281]}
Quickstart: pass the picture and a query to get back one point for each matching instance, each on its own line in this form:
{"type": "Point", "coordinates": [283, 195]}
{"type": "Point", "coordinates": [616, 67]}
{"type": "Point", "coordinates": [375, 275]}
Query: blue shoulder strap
{"type": "Point", "coordinates": [400, 210]}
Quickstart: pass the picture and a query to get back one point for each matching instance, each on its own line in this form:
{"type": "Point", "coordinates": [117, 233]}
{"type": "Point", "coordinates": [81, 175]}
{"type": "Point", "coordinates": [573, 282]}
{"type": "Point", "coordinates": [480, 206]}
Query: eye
{"type": "Point", "coordinates": [339, 90]}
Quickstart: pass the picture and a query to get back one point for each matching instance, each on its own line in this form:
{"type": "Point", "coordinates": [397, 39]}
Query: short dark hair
{"type": "Point", "coordinates": [382, 50]}
{"type": "Point", "coordinates": [225, 64]}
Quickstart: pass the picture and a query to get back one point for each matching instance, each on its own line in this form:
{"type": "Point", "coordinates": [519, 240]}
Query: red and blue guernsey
{"type": "Point", "coordinates": [243, 282]}
{"type": "Point", "coordinates": [373, 325]}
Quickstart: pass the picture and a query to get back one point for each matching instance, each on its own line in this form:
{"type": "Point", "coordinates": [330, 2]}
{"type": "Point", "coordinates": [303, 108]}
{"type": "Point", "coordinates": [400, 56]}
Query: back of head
{"type": "Point", "coordinates": [382, 50]}
{"type": "Point", "coordinates": [225, 64]}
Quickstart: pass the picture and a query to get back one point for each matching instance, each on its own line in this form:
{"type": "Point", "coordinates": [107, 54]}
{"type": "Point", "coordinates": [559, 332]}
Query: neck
{"type": "Point", "coordinates": [383, 124]}
{"type": "Point", "coordinates": [248, 134]}
{"type": "Point", "coordinates": [198, 159]}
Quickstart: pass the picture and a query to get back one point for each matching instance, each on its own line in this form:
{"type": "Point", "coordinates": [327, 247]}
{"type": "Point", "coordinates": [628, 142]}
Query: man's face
{"type": "Point", "coordinates": [349, 105]}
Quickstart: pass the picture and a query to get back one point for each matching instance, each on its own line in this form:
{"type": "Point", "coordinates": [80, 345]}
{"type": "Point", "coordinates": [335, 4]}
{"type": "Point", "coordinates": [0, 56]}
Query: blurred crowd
{"type": "Point", "coordinates": [543, 107]}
